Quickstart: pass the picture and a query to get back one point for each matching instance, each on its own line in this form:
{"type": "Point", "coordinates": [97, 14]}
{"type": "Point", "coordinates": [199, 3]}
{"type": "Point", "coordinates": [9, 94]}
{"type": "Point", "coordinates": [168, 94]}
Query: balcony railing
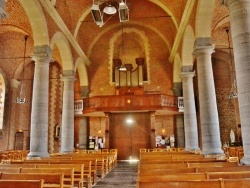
{"type": "Point", "coordinates": [150, 102]}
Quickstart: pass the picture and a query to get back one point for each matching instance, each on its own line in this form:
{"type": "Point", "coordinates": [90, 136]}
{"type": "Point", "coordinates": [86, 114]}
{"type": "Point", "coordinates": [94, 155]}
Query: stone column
{"type": "Point", "coordinates": [40, 98]}
{"type": "Point", "coordinates": [83, 129]}
{"type": "Point", "coordinates": [190, 119]}
{"type": "Point", "coordinates": [210, 129]}
{"type": "Point", "coordinates": [180, 136]}
{"type": "Point", "coordinates": [67, 127]}
{"type": "Point", "coordinates": [239, 11]}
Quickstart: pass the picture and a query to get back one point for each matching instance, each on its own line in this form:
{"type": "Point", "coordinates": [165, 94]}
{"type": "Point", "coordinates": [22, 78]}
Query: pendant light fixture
{"type": "Point", "coordinates": [20, 99]}
{"type": "Point", "coordinates": [110, 9]}
{"type": "Point", "coordinates": [122, 68]}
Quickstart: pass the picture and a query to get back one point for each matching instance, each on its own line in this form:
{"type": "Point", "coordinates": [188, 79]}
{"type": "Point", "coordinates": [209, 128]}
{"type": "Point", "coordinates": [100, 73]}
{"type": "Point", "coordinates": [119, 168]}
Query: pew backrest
{"type": "Point", "coordinates": [50, 179]}
{"type": "Point", "coordinates": [22, 183]}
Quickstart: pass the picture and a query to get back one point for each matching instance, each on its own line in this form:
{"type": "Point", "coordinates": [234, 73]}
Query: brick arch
{"type": "Point", "coordinates": [161, 35]}
{"type": "Point", "coordinates": [65, 51]}
{"type": "Point", "coordinates": [37, 21]}
{"type": "Point", "coordinates": [145, 45]}
{"type": "Point", "coordinates": [187, 47]}
{"type": "Point", "coordinates": [203, 20]}
{"type": "Point", "coordinates": [157, 2]}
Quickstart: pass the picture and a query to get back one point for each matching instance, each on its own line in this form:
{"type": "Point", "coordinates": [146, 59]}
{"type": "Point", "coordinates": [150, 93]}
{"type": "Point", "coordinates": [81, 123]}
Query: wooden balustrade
{"type": "Point", "coordinates": [129, 102]}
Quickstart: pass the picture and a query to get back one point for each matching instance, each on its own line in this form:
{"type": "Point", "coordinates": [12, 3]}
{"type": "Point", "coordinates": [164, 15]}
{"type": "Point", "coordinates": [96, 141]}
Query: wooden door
{"type": "Point", "coordinates": [128, 138]}
{"type": "Point", "coordinates": [19, 141]}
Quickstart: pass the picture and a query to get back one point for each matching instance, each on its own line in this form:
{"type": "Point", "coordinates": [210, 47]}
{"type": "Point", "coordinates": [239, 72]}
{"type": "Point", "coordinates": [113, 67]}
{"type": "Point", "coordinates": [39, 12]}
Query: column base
{"type": "Point", "coordinates": [212, 152]}
{"type": "Point", "coordinates": [65, 152]}
{"type": "Point", "coordinates": [37, 155]}
{"type": "Point", "coordinates": [191, 149]}
{"type": "Point", "coordinates": [245, 161]}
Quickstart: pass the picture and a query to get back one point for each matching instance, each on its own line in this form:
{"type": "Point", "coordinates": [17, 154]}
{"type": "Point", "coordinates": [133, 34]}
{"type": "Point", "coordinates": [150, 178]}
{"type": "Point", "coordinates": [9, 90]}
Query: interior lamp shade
{"type": "Point", "coordinates": [109, 9]}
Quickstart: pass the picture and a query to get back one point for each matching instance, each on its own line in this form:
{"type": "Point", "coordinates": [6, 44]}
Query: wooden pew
{"type": "Point", "coordinates": [162, 166]}
{"type": "Point", "coordinates": [17, 165]}
{"type": "Point", "coordinates": [78, 171]}
{"type": "Point", "coordinates": [172, 177]}
{"type": "Point", "coordinates": [93, 168]}
{"type": "Point", "coordinates": [101, 162]}
{"type": "Point", "coordinates": [87, 168]}
{"type": "Point", "coordinates": [228, 175]}
{"type": "Point", "coordinates": [68, 174]}
{"type": "Point", "coordinates": [22, 183]}
{"type": "Point", "coordinates": [9, 170]}
{"type": "Point", "coordinates": [211, 164]}
{"type": "Point", "coordinates": [181, 184]}
{"type": "Point", "coordinates": [50, 180]}
{"type": "Point", "coordinates": [233, 183]}
{"type": "Point", "coordinates": [223, 169]}
{"type": "Point", "coordinates": [156, 172]}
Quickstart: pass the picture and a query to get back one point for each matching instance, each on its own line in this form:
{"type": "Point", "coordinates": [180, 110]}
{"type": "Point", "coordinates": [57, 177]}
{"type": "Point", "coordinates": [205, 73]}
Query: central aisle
{"type": "Point", "coordinates": [122, 176]}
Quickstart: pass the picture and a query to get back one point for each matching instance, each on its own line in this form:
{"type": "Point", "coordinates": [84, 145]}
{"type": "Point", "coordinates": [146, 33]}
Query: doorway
{"type": "Point", "coordinates": [19, 139]}
{"type": "Point", "coordinates": [129, 132]}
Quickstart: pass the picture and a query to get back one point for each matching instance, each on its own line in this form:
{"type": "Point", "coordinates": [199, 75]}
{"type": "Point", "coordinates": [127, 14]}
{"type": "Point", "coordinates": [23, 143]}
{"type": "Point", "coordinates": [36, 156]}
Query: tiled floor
{"type": "Point", "coordinates": [122, 176]}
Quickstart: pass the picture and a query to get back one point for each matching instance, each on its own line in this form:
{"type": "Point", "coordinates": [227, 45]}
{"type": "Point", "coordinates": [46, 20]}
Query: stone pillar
{"type": "Point", "coordinates": [83, 121]}
{"type": "Point", "coordinates": [180, 136]}
{"type": "Point", "coordinates": [40, 98]}
{"type": "Point", "coordinates": [190, 119]}
{"type": "Point", "coordinates": [129, 68]}
{"type": "Point", "coordinates": [140, 63]}
{"type": "Point", "coordinates": [210, 129]}
{"type": "Point", "coordinates": [67, 127]}
{"type": "Point", "coordinates": [239, 11]}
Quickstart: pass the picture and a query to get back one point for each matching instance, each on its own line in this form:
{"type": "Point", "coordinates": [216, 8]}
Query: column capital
{"type": "Point", "coordinates": [187, 74]}
{"type": "Point", "coordinates": [68, 78]}
{"type": "Point", "coordinates": [203, 45]}
{"type": "Point", "coordinates": [42, 52]}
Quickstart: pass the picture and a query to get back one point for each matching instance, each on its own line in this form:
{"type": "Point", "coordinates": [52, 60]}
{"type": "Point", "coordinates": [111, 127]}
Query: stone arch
{"type": "Point", "coordinates": [187, 47]}
{"type": "Point", "coordinates": [80, 66]}
{"type": "Point", "coordinates": [65, 51]}
{"type": "Point", "coordinates": [177, 69]}
{"type": "Point", "coordinates": [3, 90]}
{"type": "Point", "coordinates": [37, 21]}
{"type": "Point", "coordinates": [203, 20]}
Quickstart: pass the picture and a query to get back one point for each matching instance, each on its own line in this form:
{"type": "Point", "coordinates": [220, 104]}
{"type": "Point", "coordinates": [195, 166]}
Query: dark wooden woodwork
{"type": "Point", "coordinates": [129, 138]}
{"type": "Point", "coordinates": [148, 102]}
